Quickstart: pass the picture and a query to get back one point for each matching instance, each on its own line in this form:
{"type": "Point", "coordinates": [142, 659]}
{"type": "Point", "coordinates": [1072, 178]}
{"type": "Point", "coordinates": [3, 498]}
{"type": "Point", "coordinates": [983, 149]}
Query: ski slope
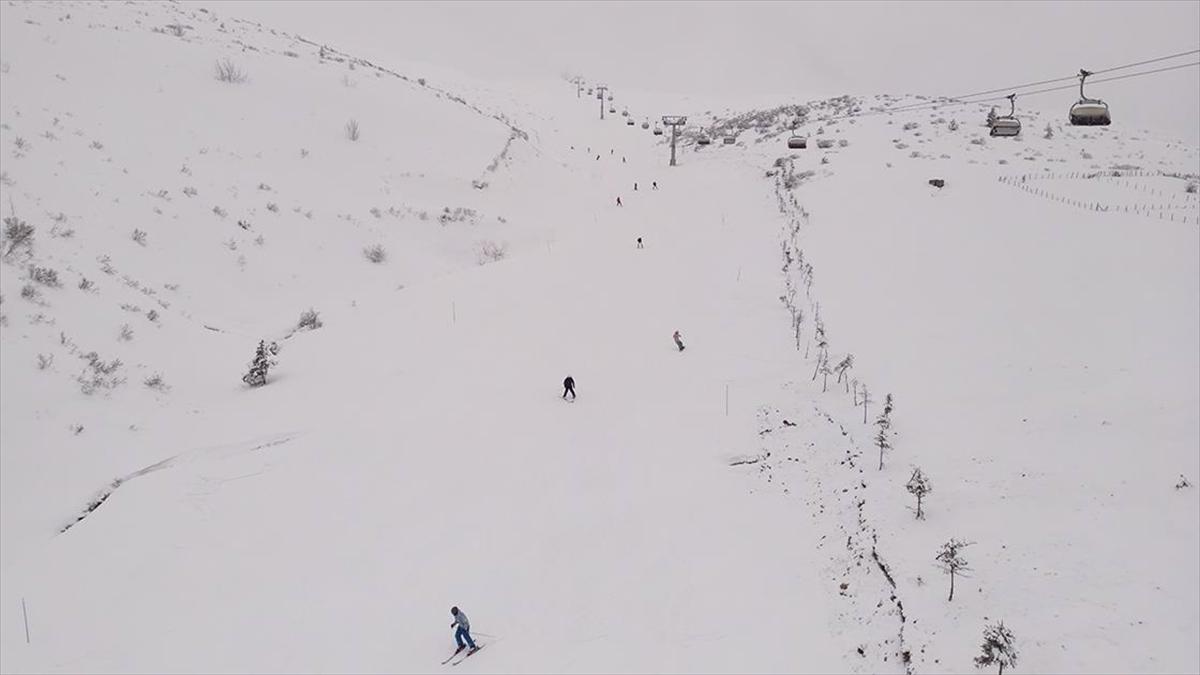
{"type": "Point", "coordinates": [711, 510]}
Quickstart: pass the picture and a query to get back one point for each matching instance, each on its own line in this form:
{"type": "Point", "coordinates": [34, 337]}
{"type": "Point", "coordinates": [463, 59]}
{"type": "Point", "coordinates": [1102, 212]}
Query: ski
{"type": "Point", "coordinates": [448, 658]}
{"type": "Point", "coordinates": [468, 654]}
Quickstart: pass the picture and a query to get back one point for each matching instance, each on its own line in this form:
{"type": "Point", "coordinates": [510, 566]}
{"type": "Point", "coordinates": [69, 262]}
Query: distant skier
{"type": "Point", "coordinates": [678, 340]}
{"type": "Point", "coordinates": [569, 387]}
{"type": "Point", "coordinates": [635, 187]}
{"type": "Point", "coordinates": [654, 185]}
{"type": "Point", "coordinates": [640, 243]}
{"type": "Point", "coordinates": [463, 633]}
{"type": "Point", "coordinates": [619, 202]}
{"type": "Point", "coordinates": [597, 158]}
{"type": "Point", "coordinates": [622, 160]}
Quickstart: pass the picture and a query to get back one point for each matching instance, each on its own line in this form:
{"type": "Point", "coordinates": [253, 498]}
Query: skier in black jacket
{"type": "Point", "coordinates": [569, 387]}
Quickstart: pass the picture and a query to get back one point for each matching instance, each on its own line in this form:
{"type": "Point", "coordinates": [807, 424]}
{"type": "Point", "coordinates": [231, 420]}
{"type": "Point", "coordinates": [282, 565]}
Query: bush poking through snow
{"type": "Point", "coordinates": [44, 361]}
{"type": "Point", "coordinates": [45, 276]}
{"type": "Point", "coordinates": [126, 333]}
{"type": "Point", "coordinates": [263, 362]}
{"type": "Point", "coordinates": [157, 383]}
{"type": "Point", "coordinates": [489, 251]}
{"type": "Point", "coordinates": [18, 234]}
{"type": "Point", "coordinates": [1183, 483]}
{"type": "Point", "coordinates": [98, 375]}
{"type": "Point", "coordinates": [999, 648]}
{"type": "Point", "coordinates": [309, 320]}
{"type": "Point", "coordinates": [30, 293]}
{"type": "Point", "coordinates": [918, 486]}
{"type": "Point", "coordinates": [375, 253]}
{"type": "Point", "coordinates": [352, 130]}
{"type": "Point", "coordinates": [881, 436]}
{"type": "Point", "coordinates": [1049, 132]}
{"type": "Point", "coordinates": [138, 236]}
{"type": "Point", "coordinates": [228, 71]}
{"type": "Point", "coordinates": [951, 561]}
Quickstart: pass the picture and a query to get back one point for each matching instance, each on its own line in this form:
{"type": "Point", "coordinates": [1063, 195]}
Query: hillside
{"type": "Point", "coordinates": [716, 509]}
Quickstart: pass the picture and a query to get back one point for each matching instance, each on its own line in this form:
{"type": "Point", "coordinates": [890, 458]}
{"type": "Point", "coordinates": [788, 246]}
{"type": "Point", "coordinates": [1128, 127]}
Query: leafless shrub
{"type": "Point", "coordinates": [488, 251]}
{"type": "Point", "coordinates": [259, 240]}
{"type": "Point", "coordinates": [30, 293]}
{"type": "Point", "coordinates": [18, 234]}
{"type": "Point", "coordinates": [45, 276]}
{"type": "Point", "coordinates": [219, 212]}
{"type": "Point", "coordinates": [228, 71]}
{"type": "Point", "coordinates": [98, 375]}
{"type": "Point", "coordinates": [44, 361]}
{"type": "Point", "coordinates": [21, 145]}
{"type": "Point", "coordinates": [96, 145]}
{"type": "Point", "coordinates": [5, 180]}
{"type": "Point", "coordinates": [157, 383]}
{"type": "Point", "coordinates": [138, 236]}
{"type": "Point", "coordinates": [310, 319]}
{"type": "Point", "coordinates": [126, 333]}
{"type": "Point", "coordinates": [190, 191]}
{"type": "Point", "coordinates": [76, 429]}
{"type": "Point", "coordinates": [272, 207]}
{"type": "Point", "coordinates": [152, 315]}
{"type": "Point", "coordinates": [978, 141]}
{"type": "Point", "coordinates": [375, 253]}
{"type": "Point", "coordinates": [352, 130]}
{"type": "Point", "coordinates": [106, 264]}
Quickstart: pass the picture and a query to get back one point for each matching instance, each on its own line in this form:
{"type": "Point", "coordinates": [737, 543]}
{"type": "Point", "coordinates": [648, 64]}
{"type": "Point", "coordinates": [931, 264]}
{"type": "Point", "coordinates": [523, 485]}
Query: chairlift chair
{"type": "Point", "coordinates": [797, 142]}
{"type": "Point", "coordinates": [1007, 125]}
{"type": "Point", "coordinates": [624, 113]}
{"type": "Point", "coordinates": [729, 140]}
{"type": "Point", "coordinates": [629, 122]}
{"type": "Point", "coordinates": [1088, 111]}
{"type": "Point", "coordinates": [645, 125]}
{"type": "Point", "coordinates": [658, 131]}
{"type": "Point", "coordinates": [612, 110]}
{"type": "Point", "coordinates": [702, 139]}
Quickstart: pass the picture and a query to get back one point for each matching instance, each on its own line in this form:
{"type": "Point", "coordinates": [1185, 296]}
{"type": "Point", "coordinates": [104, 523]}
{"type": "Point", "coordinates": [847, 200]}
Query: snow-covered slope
{"type": "Point", "coordinates": [706, 511]}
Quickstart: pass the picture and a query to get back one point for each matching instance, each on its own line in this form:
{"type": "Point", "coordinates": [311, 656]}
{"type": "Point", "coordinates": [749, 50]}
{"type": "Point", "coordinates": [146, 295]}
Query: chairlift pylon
{"type": "Point", "coordinates": [1088, 111]}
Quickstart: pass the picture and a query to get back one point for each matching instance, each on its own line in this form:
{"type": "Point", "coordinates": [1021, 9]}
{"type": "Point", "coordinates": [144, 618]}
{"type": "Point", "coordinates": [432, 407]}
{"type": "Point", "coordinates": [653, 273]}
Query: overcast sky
{"type": "Point", "coordinates": [792, 50]}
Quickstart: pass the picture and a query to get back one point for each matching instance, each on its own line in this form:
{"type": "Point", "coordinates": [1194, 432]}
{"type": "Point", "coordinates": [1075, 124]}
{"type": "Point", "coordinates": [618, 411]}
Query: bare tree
{"type": "Point", "coordinates": [352, 130]}
{"type": "Point", "coordinates": [918, 485]}
{"type": "Point", "coordinates": [998, 647]}
{"type": "Point", "coordinates": [843, 366]}
{"type": "Point", "coordinates": [866, 398]}
{"type": "Point", "coordinates": [18, 234]}
{"type": "Point", "coordinates": [951, 560]}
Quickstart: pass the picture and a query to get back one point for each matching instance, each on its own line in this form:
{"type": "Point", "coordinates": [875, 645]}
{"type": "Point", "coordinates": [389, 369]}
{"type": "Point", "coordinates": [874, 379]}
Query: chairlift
{"type": "Point", "coordinates": [610, 97]}
{"type": "Point", "coordinates": [629, 122]}
{"type": "Point", "coordinates": [612, 110]}
{"type": "Point", "coordinates": [796, 142]}
{"type": "Point", "coordinates": [624, 113]}
{"type": "Point", "coordinates": [1088, 111]}
{"type": "Point", "coordinates": [729, 140]}
{"type": "Point", "coordinates": [702, 139]}
{"type": "Point", "coordinates": [658, 131]}
{"type": "Point", "coordinates": [1007, 125]}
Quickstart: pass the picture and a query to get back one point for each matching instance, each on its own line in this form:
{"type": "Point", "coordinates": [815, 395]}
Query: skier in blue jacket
{"type": "Point", "coordinates": [463, 634]}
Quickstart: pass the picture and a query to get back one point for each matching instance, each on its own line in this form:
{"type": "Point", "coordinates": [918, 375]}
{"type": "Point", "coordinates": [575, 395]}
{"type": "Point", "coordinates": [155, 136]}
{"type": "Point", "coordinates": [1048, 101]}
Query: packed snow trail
{"type": "Point", "coordinates": [439, 466]}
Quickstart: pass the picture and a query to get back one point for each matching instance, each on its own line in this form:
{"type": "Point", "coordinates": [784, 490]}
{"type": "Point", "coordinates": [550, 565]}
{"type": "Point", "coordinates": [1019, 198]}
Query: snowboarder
{"type": "Point", "coordinates": [619, 202]}
{"type": "Point", "coordinates": [678, 340]}
{"type": "Point", "coordinates": [463, 634]}
{"type": "Point", "coordinates": [654, 185]}
{"type": "Point", "coordinates": [640, 243]}
{"type": "Point", "coordinates": [569, 387]}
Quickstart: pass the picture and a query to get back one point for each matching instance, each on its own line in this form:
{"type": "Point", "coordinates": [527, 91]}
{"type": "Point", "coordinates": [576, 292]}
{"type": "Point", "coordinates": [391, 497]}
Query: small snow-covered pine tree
{"type": "Point", "coordinates": [998, 647]}
{"type": "Point", "coordinates": [991, 118]}
{"type": "Point", "coordinates": [881, 436]}
{"type": "Point", "coordinates": [1049, 132]}
{"type": "Point", "coordinates": [888, 407]}
{"type": "Point", "coordinates": [257, 375]}
{"type": "Point", "coordinates": [953, 126]}
{"type": "Point", "coordinates": [918, 486]}
{"type": "Point", "coordinates": [843, 366]}
{"type": "Point", "coordinates": [951, 560]}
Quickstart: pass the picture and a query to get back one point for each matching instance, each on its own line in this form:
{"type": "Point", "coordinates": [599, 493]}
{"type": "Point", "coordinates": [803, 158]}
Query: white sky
{"type": "Point", "coordinates": [790, 50]}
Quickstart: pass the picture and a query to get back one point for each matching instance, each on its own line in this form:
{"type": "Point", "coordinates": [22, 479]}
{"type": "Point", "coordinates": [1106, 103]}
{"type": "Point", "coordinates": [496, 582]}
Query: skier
{"type": "Point", "coordinates": [635, 187]}
{"type": "Point", "coordinates": [463, 633]}
{"type": "Point", "coordinates": [678, 340]}
{"type": "Point", "coordinates": [569, 387]}
{"type": "Point", "coordinates": [640, 243]}
{"type": "Point", "coordinates": [619, 201]}
{"type": "Point", "coordinates": [622, 160]}
{"type": "Point", "coordinates": [654, 185]}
